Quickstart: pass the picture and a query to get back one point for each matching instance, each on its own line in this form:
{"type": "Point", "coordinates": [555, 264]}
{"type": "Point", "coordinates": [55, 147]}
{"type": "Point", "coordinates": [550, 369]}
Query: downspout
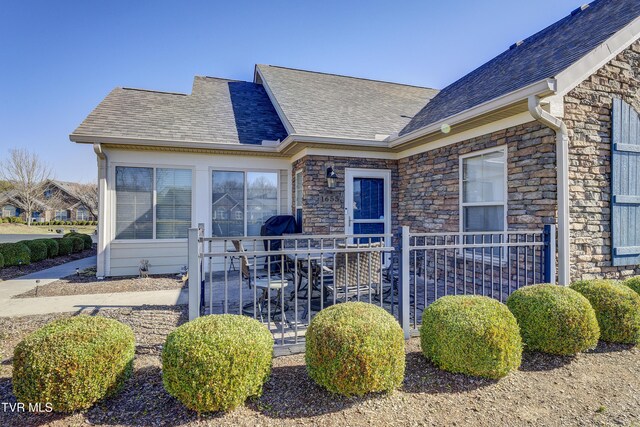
{"type": "Point", "coordinates": [562, 183]}
{"type": "Point", "coordinates": [103, 168]}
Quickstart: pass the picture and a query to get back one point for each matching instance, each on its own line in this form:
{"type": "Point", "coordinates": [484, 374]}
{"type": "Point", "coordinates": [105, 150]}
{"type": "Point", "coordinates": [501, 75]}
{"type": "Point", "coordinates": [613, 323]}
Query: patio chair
{"type": "Point", "coordinates": [357, 273]}
{"type": "Point", "coordinates": [263, 282]}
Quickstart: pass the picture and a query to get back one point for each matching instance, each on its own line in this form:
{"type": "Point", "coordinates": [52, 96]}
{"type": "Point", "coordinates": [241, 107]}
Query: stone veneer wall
{"type": "Point", "coordinates": [429, 182]}
{"type": "Point", "coordinates": [322, 207]}
{"type": "Point", "coordinates": [588, 118]}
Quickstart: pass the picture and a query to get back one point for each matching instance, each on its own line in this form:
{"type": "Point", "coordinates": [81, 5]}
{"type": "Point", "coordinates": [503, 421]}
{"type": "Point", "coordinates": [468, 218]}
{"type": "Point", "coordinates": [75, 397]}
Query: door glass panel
{"type": "Point", "coordinates": [368, 228]}
{"type": "Point", "coordinates": [228, 203]}
{"type": "Point", "coordinates": [368, 198]}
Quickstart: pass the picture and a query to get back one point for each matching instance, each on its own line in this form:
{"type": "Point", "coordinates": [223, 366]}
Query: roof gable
{"type": "Point", "coordinates": [217, 111]}
{"type": "Point", "coordinates": [541, 56]}
{"type": "Point", "coordinates": [321, 104]}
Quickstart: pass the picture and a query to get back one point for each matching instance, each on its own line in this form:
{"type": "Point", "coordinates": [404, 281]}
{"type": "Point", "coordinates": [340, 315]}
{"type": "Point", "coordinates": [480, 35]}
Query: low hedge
{"type": "Point", "coordinates": [65, 246]}
{"type": "Point", "coordinates": [617, 308]}
{"type": "Point", "coordinates": [214, 363]}
{"type": "Point", "coordinates": [52, 246]}
{"type": "Point", "coordinates": [73, 363]}
{"type": "Point", "coordinates": [1, 261]}
{"type": "Point", "coordinates": [86, 239]}
{"type": "Point", "coordinates": [472, 335]}
{"type": "Point", "coordinates": [15, 254]}
{"type": "Point", "coordinates": [355, 348]}
{"type": "Point", "coordinates": [38, 249]}
{"type": "Point", "coordinates": [554, 319]}
{"type": "Point", "coordinates": [77, 242]}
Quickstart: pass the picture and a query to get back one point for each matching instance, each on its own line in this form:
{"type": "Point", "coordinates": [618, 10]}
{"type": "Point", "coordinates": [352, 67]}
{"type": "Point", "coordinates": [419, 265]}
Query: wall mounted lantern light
{"type": "Point", "coordinates": [331, 177]}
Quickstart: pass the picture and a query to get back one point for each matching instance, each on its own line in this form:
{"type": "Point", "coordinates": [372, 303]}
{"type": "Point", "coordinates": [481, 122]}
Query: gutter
{"type": "Point", "coordinates": [103, 255]}
{"type": "Point", "coordinates": [540, 88]}
{"type": "Point", "coordinates": [562, 182]}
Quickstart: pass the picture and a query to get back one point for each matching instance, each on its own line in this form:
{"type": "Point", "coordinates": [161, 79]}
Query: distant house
{"type": "Point", "coordinates": [544, 133]}
{"type": "Point", "coordinates": [57, 201]}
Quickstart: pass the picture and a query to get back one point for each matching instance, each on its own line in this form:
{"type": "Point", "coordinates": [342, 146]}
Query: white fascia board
{"type": "Point", "coordinates": [96, 139]}
{"type": "Point", "coordinates": [335, 140]}
{"type": "Point", "coordinates": [597, 58]}
{"type": "Point", "coordinates": [542, 88]}
{"type": "Point", "coordinates": [283, 118]}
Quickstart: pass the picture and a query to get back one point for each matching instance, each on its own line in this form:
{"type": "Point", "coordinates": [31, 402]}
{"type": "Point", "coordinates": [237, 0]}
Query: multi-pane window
{"type": "Point", "coordinates": [242, 201]}
{"type": "Point", "coordinates": [298, 200]}
{"type": "Point", "coordinates": [135, 188]}
{"type": "Point", "coordinates": [483, 191]}
{"type": "Point", "coordinates": [173, 203]}
{"type": "Point", "coordinates": [82, 214]}
{"type": "Point", "coordinates": [61, 215]}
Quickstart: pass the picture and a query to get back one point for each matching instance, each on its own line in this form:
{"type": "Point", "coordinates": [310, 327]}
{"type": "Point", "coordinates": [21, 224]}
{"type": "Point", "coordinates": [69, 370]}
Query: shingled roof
{"type": "Point", "coordinates": [217, 111]}
{"type": "Point", "coordinates": [332, 105]}
{"type": "Point", "coordinates": [538, 57]}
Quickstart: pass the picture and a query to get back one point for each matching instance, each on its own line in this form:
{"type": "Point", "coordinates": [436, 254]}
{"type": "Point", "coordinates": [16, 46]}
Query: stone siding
{"type": "Point", "coordinates": [323, 207]}
{"type": "Point", "coordinates": [588, 119]}
{"type": "Point", "coordinates": [429, 182]}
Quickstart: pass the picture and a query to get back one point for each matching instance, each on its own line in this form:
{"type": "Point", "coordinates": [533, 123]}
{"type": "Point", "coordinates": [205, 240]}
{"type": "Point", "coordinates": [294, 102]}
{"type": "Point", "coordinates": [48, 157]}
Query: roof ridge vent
{"type": "Point", "coordinates": [516, 44]}
{"type": "Point", "coordinates": [580, 9]}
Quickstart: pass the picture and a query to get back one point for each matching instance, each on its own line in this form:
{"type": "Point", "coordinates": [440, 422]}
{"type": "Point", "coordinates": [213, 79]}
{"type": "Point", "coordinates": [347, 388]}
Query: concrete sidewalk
{"type": "Point", "coordinates": [75, 303]}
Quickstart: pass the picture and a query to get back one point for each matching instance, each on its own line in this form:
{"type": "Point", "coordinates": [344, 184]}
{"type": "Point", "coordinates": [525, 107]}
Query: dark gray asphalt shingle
{"type": "Point", "coordinates": [332, 105]}
{"type": "Point", "coordinates": [540, 56]}
{"type": "Point", "coordinates": [217, 111]}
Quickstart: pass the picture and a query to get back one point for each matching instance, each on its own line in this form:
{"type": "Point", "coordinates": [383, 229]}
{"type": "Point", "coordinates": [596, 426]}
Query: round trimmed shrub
{"type": "Point", "coordinates": [86, 239]}
{"type": "Point", "coordinates": [73, 363]}
{"type": "Point", "coordinates": [355, 348]}
{"type": "Point", "coordinates": [65, 246]}
{"type": "Point", "coordinates": [77, 242]}
{"type": "Point", "coordinates": [633, 283]}
{"type": "Point", "coordinates": [617, 309]}
{"type": "Point", "coordinates": [472, 335]}
{"type": "Point", "coordinates": [37, 248]}
{"type": "Point", "coordinates": [15, 254]}
{"type": "Point", "coordinates": [215, 362]}
{"type": "Point", "coordinates": [554, 319]}
{"type": "Point", "coordinates": [52, 247]}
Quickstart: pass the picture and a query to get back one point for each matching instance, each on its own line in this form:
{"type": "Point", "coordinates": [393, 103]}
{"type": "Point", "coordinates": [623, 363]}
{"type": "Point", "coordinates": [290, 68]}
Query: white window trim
{"type": "Point", "coordinates": [245, 171]}
{"type": "Point", "coordinates": [504, 204]}
{"type": "Point", "coordinates": [297, 176]}
{"type": "Point", "coordinates": [113, 197]}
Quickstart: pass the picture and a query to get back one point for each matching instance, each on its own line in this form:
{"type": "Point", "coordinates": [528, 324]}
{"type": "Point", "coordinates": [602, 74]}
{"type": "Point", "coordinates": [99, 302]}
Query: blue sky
{"type": "Point", "coordinates": [60, 58]}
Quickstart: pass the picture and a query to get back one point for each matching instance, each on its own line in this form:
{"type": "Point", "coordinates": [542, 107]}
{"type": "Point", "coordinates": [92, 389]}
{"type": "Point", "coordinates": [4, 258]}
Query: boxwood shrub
{"type": "Point", "coordinates": [86, 239]}
{"type": "Point", "coordinates": [65, 246]}
{"type": "Point", "coordinates": [38, 250]}
{"type": "Point", "coordinates": [52, 247]}
{"type": "Point", "coordinates": [77, 242]}
{"type": "Point", "coordinates": [472, 335]}
{"type": "Point", "coordinates": [355, 348]}
{"type": "Point", "coordinates": [617, 309]}
{"type": "Point", "coordinates": [633, 283]}
{"type": "Point", "coordinates": [15, 254]}
{"type": "Point", "coordinates": [73, 363]}
{"type": "Point", "coordinates": [1, 261]}
{"type": "Point", "coordinates": [554, 319]}
{"type": "Point", "coordinates": [214, 363]}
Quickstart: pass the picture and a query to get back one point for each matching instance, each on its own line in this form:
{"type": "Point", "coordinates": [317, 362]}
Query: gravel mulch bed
{"type": "Point", "coordinates": [597, 388]}
{"type": "Point", "coordinates": [8, 273]}
{"type": "Point", "coordinates": [86, 284]}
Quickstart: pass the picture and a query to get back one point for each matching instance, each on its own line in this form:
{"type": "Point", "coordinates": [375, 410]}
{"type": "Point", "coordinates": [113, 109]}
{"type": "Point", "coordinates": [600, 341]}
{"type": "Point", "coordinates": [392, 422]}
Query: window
{"type": "Point", "coordinates": [173, 203]}
{"type": "Point", "coordinates": [298, 200]}
{"type": "Point", "coordinates": [135, 213]}
{"type": "Point", "coordinates": [242, 201]}
{"type": "Point", "coordinates": [61, 215]}
{"type": "Point", "coordinates": [484, 186]}
{"type": "Point", "coordinates": [82, 214]}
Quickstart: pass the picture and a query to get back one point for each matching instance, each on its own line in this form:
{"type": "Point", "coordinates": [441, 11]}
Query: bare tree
{"type": "Point", "coordinates": [87, 194]}
{"type": "Point", "coordinates": [26, 172]}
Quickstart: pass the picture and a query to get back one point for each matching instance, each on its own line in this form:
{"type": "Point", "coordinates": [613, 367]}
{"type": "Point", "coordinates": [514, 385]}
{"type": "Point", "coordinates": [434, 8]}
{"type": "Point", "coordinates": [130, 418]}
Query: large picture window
{"type": "Point", "coordinates": [137, 208]}
{"type": "Point", "coordinates": [483, 186]}
{"type": "Point", "coordinates": [242, 202]}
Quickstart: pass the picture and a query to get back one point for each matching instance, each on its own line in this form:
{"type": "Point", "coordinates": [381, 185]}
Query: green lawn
{"type": "Point", "coordinates": [43, 229]}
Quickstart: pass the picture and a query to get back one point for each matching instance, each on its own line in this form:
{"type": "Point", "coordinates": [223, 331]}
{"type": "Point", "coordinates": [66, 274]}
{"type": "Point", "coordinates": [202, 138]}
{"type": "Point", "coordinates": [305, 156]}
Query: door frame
{"type": "Point", "coordinates": [349, 175]}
